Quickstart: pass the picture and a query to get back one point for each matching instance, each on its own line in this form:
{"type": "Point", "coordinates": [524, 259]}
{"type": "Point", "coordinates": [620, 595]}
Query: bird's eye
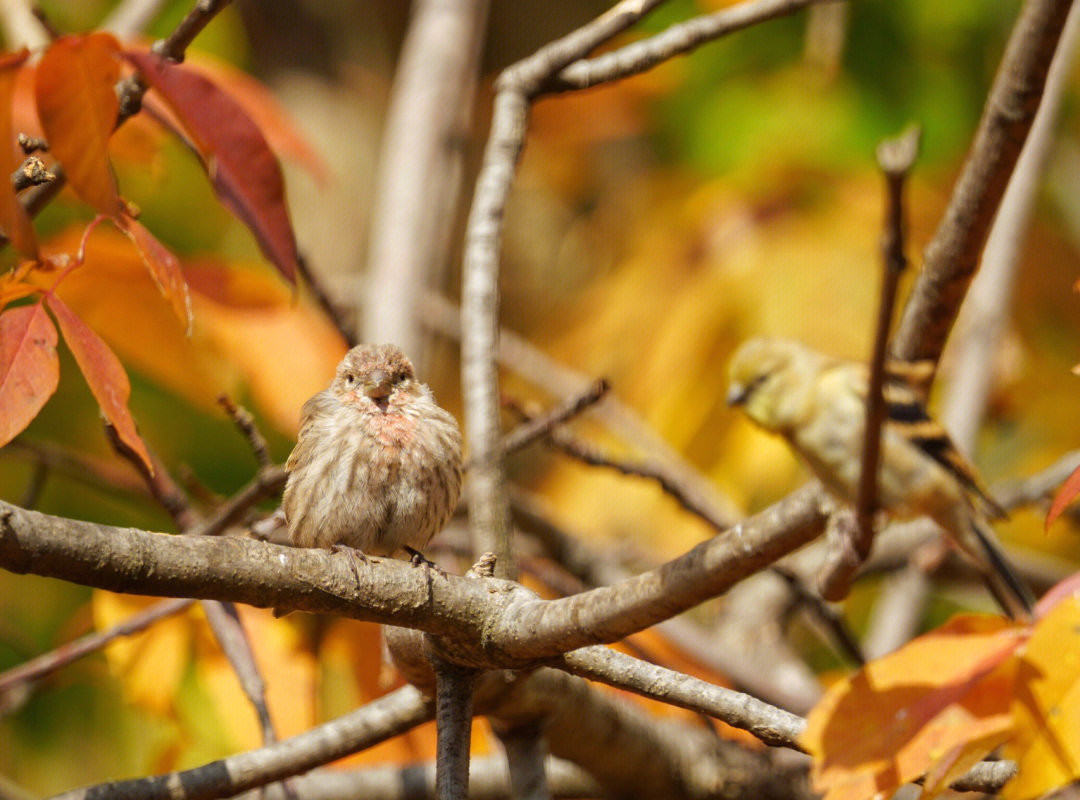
{"type": "Point", "coordinates": [350, 379]}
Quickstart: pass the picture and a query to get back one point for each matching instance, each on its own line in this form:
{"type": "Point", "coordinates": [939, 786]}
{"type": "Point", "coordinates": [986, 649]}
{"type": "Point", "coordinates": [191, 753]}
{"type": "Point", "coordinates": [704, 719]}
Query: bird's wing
{"type": "Point", "coordinates": [313, 412]}
{"type": "Point", "coordinates": [907, 415]}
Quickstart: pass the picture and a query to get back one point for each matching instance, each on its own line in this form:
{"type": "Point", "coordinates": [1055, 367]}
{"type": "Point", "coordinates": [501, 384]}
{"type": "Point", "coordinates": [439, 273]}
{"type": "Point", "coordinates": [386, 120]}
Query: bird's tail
{"type": "Point", "coordinates": [1008, 588]}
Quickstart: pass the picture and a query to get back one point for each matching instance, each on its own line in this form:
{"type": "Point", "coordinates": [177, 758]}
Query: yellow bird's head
{"type": "Point", "coordinates": [768, 379]}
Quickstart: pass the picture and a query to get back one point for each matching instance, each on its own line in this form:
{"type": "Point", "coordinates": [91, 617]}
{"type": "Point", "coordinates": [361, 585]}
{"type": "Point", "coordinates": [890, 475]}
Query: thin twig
{"type": "Point", "coordinates": [770, 724]}
{"type": "Point", "coordinates": [1037, 488]}
{"type": "Point", "coordinates": [389, 716]}
{"type": "Point", "coordinates": [173, 46]}
{"type": "Point", "coordinates": [225, 623]}
{"type": "Point", "coordinates": [488, 508]}
{"type": "Point", "coordinates": [542, 424]}
{"type": "Point", "coordinates": [246, 423]}
{"type": "Point", "coordinates": [267, 481]}
{"type": "Point", "coordinates": [895, 158]}
{"type": "Point", "coordinates": [851, 542]}
{"type": "Point", "coordinates": [652, 470]}
{"type": "Point", "coordinates": [342, 318]}
{"type": "Point", "coordinates": [161, 485]}
{"type": "Point", "coordinates": [680, 38]}
{"type": "Point", "coordinates": [42, 665]}
{"type": "Point", "coordinates": [833, 624]}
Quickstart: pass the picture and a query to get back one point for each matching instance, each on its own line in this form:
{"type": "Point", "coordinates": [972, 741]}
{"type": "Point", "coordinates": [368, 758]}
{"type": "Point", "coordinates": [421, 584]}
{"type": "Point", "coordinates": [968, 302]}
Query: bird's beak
{"type": "Point", "coordinates": [736, 394]}
{"type": "Point", "coordinates": [377, 385]}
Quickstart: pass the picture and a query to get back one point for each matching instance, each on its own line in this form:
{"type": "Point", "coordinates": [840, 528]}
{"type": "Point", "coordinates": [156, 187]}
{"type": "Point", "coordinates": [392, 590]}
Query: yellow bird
{"type": "Point", "coordinates": [818, 404]}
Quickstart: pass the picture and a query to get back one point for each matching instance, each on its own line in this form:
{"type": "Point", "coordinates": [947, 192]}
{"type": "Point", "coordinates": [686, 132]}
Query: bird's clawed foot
{"type": "Point", "coordinates": [418, 560]}
{"type": "Point", "coordinates": [356, 555]}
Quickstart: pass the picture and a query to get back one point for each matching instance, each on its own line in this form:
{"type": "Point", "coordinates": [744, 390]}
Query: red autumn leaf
{"type": "Point", "coordinates": [13, 217]}
{"type": "Point", "coordinates": [243, 169]}
{"type": "Point", "coordinates": [164, 267]}
{"type": "Point", "coordinates": [104, 374]}
{"type": "Point", "coordinates": [78, 107]}
{"type": "Point", "coordinates": [29, 368]}
{"type": "Point", "coordinates": [282, 133]}
{"type": "Point", "coordinates": [1066, 494]}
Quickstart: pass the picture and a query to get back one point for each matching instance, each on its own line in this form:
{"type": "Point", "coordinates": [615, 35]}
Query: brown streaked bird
{"type": "Point", "coordinates": [377, 465]}
{"type": "Point", "coordinates": [818, 404]}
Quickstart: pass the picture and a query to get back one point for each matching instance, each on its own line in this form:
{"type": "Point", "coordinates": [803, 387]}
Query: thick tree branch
{"type": "Point", "coordinates": [420, 166]}
{"type": "Point", "coordinates": [951, 258]}
{"type": "Point", "coordinates": [485, 619]}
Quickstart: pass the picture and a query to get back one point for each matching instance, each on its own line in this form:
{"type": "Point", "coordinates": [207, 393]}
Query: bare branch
{"type": "Point", "coordinates": [481, 618]}
{"type": "Point", "coordinates": [488, 508]}
{"type": "Point", "coordinates": [343, 320]}
{"type": "Point", "coordinates": [420, 166]}
{"type": "Point", "coordinates": [488, 779]}
{"type": "Point", "coordinates": [161, 485]}
{"type": "Point", "coordinates": [225, 623]}
{"type": "Point", "coordinates": [517, 354]}
{"type": "Point", "coordinates": [39, 667]}
{"type": "Point", "coordinates": [375, 722]}
{"type": "Point", "coordinates": [526, 758]}
{"type": "Point", "coordinates": [267, 482]}
{"type": "Point", "coordinates": [454, 687]}
{"type": "Point", "coordinates": [772, 725]}
{"type": "Point", "coordinates": [895, 158]}
{"type": "Point", "coordinates": [669, 481]}
{"type": "Point", "coordinates": [246, 423]}
{"type": "Point", "coordinates": [951, 258]}
{"type": "Point", "coordinates": [173, 46]}
{"type": "Point", "coordinates": [539, 426]}
{"type": "Point", "coordinates": [678, 39]}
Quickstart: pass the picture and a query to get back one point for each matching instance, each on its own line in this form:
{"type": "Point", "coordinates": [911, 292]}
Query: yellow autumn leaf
{"type": "Point", "coordinates": [150, 664]}
{"type": "Point", "coordinates": [289, 672]}
{"type": "Point", "coordinates": [1047, 706]}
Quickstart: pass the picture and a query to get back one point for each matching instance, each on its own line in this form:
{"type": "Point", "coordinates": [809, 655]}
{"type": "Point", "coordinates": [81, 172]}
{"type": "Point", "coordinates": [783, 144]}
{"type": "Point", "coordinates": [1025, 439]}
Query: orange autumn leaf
{"type": "Point", "coordinates": [12, 289]}
{"type": "Point", "coordinates": [29, 367]}
{"type": "Point", "coordinates": [916, 710]}
{"type": "Point", "coordinates": [1046, 706]}
{"type": "Point", "coordinates": [104, 374]}
{"type": "Point", "coordinates": [78, 108]}
{"type": "Point", "coordinates": [13, 217]}
{"type": "Point", "coordinates": [164, 267]}
{"type": "Point", "coordinates": [249, 332]}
